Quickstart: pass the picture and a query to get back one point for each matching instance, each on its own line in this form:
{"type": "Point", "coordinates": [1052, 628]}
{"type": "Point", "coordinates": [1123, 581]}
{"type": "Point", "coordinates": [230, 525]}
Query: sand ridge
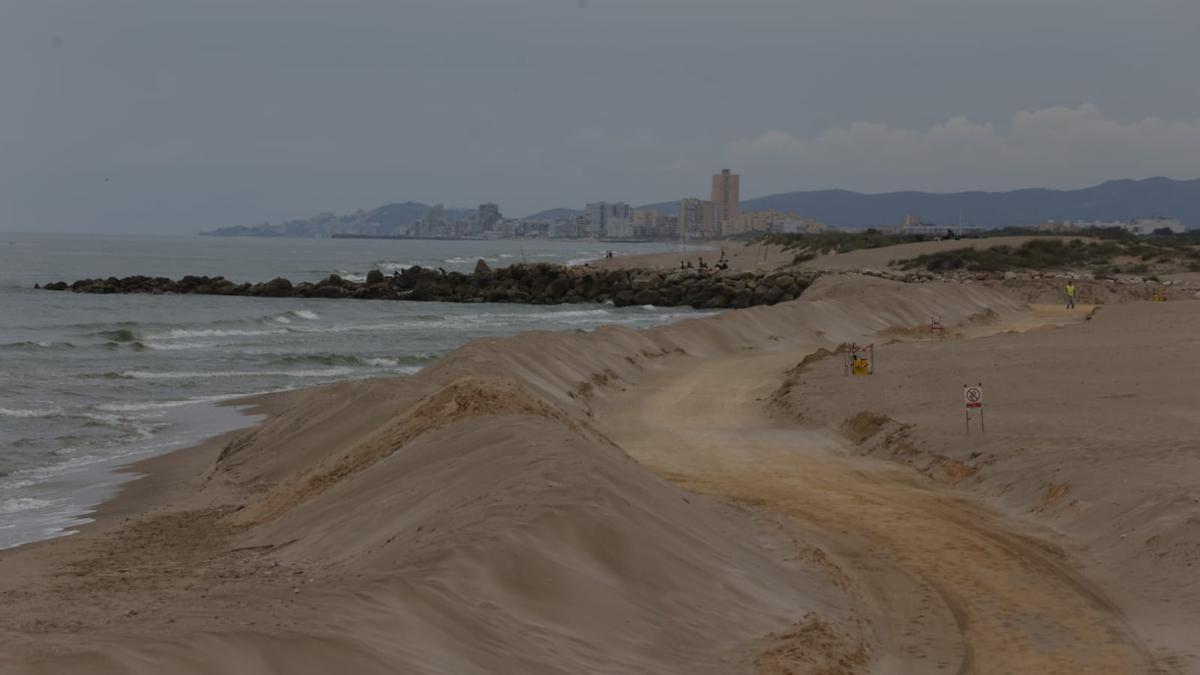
{"type": "Point", "coordinates": [488, 515]}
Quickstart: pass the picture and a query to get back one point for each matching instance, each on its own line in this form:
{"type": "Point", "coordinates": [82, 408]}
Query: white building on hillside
{"type": "Point", "coordinates": [1145, 226]}
{"type": "Point", "coordinates": [1139, 226]}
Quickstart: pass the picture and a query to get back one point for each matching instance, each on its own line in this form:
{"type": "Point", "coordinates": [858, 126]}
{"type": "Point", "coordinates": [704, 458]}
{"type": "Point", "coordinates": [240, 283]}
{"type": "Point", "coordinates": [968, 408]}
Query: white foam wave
{"type": "Point", "coordinates": [22, 504]}
{"type": "Point", "coordinates": [381, 363]}
{"type": "Point", "coordinates": [38, 474]}
{"type": "Point", "coordinates": [198, 375]}
{"type": "Point", "coordinates": [351, 276]}
{"type": "Point", "coordinates": [564, 314]}
{"type": "Point", "coordinates": [215, 332]}
{"type": "Point", "coordinates": [43, 412]}
{"type": "Point", "coordinates": [162, 405]}
{"type": "Point", "coordinates": [287, 317]}
{"type": "Point", "coordinates": [177, 346]}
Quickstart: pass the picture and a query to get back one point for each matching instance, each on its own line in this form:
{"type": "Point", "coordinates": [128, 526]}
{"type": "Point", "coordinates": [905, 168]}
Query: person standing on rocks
{"type": "Point", "coordinates": [1071, 291]}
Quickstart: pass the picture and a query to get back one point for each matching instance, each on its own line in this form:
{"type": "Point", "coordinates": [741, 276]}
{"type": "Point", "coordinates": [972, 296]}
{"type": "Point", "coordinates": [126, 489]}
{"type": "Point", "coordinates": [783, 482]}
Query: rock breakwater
{"type": "Point", "coordinates": [539, 284]}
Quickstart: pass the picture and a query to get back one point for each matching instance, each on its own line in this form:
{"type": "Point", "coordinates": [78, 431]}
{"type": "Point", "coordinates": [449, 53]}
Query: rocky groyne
{"type": "Point", "coordinates": [539, 284]}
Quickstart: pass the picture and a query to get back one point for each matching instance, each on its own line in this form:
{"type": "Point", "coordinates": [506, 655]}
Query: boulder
{"type": "Point", "coordinates": [375, 277]}
{"type": "Point", "coordinates": [558, 288]}
{"type": "Point", "coordinates": [648, 296]}
{"type": "Point", "coordinates": [741, 299]}
{"type": "Point", "coordinates": [645, 281]}
{"type": "Point", "coordinates": [275, 288]}
{"type": "Point", "coordinates": [481, 267]}
{"type": "Point", "coordinates": [623, 298]}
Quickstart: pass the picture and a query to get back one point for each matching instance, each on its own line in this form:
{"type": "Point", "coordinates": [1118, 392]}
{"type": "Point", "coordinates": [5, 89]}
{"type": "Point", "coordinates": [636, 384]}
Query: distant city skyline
{"type": "Point", "coordinates": [176, 117]}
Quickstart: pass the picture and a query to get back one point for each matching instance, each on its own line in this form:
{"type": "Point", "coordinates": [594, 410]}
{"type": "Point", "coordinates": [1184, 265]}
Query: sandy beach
{"type": "Point", "coordinates": [712, 496]}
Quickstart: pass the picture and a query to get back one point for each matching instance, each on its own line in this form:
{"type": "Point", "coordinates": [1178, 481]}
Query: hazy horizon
{"type": "Point", "coordinates": [142, 117]}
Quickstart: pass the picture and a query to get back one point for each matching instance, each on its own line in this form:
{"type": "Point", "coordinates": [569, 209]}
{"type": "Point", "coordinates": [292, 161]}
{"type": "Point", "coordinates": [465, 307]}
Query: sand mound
{"type": "Point", "coordinates": [471, 519]}
{"type": "Point", "coordinates": [1089, 435]}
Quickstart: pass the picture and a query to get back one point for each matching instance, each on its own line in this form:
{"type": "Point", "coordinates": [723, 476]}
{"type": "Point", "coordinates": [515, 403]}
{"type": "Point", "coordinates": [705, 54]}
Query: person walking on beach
{"type": "Point", "coordinates": [1071, 290]}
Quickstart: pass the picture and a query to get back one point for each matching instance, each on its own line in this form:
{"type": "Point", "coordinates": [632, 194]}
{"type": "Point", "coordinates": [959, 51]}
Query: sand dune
{"type": "Point", "coordinates": [759, 257]}
{"type": "Point", "coordinates": [529, 505]}
{"type": "Point", "coordinates": [879, 258]}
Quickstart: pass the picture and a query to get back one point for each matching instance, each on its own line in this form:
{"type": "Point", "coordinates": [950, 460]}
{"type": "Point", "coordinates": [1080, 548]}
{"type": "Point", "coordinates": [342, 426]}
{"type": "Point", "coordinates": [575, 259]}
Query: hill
{"type": "Point", "coordinates": [389, 219]}
{"type": "Point", "coordinates": [1114, 200]}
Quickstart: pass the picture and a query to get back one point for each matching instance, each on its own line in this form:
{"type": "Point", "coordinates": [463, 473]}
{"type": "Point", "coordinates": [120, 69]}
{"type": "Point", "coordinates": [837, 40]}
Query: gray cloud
{"type": "Point", "coordinates": [1053, 147]}
{"type": "Point", "coordinates": [174, 116]}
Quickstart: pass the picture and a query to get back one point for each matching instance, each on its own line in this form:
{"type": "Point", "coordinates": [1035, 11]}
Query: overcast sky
{"type": "Point", "coordinates": [175, 116]}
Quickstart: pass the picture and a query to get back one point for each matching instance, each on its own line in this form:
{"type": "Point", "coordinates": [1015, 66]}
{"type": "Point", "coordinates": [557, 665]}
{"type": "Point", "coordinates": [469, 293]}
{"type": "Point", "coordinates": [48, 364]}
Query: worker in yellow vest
{"type": "Point", "coordinates": [1071, 291]}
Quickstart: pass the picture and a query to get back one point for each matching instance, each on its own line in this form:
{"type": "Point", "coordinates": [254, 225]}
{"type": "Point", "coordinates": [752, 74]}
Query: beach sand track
{"type": "Point", "coordinates": [478, 518]}
{"type": "Point", "coordinates": [953, 587]}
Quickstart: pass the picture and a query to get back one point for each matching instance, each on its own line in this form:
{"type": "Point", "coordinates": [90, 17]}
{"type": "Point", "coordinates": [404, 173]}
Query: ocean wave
{"type": "Point", "coordinates": [37, 345]}
{"type": "Point", "coordinates": [351, 276]}
{"type": "Point", "coordinates": [146, 406]}
{"type": "Point", "coordinates": [199, 375]}
{"type": "Point", "coordinates": [37, 474]}
{"type": "Point", "coordinates": [394, 266]}
{"type": "Point", "coordinates": [562, 314]}
{"type": "Point", "coordinates": [454, 322]}
{"type": "Point", "coordinates": [176, 346]}
{"type": "Point", "coordinates": [16, 504]}
{"type": "Point", "coordinates": [140, 427]}
{"type": "Point", "coordinates": [35, 413]}
{"type": "Point", "coordinates": [119, 335]}
{"type": "Point", "coordinates": [288, 317]}
{"type": "Point", "coordinates": [353, 360]}
{"type": "Point", "coordinates": [182, 333]}
{"type": "Point", "coordinates": [136, 345]}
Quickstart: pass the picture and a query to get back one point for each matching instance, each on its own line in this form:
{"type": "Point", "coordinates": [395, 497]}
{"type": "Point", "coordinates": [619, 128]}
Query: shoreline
{"type": "Point", "coordinates": [108, 478]}
{"type": "Point", "coordinates": [573, 374]}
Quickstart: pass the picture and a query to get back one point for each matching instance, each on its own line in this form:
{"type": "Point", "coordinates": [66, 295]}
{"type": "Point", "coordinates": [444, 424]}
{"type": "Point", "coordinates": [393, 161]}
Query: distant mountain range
{"type": "Point", "coordinates": [1114, 200]}
{"type": "Point", "coordinates": [389, 219]}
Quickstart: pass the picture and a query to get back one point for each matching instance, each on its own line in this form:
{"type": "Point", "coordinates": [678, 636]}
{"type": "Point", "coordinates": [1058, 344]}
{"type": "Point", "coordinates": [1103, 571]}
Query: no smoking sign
{"type": "Point", "coordinates": [973, 396]}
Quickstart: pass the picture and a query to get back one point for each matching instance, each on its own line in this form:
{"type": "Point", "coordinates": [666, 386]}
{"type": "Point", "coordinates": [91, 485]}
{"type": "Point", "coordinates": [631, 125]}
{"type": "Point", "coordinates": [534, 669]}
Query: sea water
{"type": "Point", "coordinates": [91, 382]}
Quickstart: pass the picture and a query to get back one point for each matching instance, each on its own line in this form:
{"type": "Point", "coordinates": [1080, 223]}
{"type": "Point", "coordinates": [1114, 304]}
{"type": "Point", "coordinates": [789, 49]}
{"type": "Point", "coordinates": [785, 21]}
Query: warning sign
{"type": "Point", "coordinates": [858, 360]}
{"type": "Point", "coordinates": [973, 396]}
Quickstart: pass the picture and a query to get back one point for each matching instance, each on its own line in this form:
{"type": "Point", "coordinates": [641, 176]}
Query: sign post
{"type": "Point", "coordinates": [858, 360]}
{"type": "Point", "coordinates": [973, 398]}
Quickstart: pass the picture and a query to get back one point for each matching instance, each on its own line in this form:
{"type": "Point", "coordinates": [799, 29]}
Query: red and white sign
{"type": "Point", "coordinates": [973, 396]}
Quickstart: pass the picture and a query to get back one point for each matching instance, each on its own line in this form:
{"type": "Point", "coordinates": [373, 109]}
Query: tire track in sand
{"type": "Point", "coordinates": [952, 586]}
